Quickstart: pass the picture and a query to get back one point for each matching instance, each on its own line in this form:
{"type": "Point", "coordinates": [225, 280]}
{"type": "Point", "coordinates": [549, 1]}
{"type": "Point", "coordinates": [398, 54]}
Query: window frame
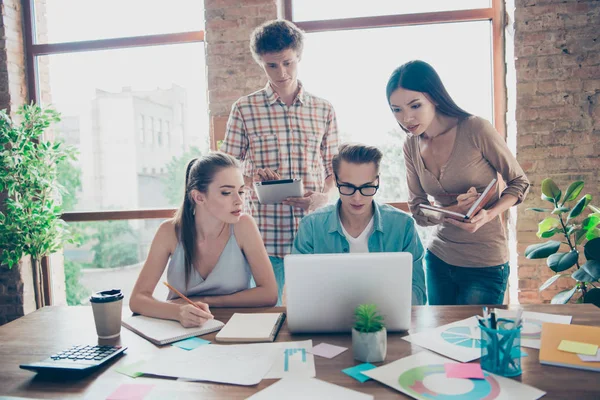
{"type": "Point", "coordinates": [34, 50]}
{"type": "Point", "coordinates": [495, 14]}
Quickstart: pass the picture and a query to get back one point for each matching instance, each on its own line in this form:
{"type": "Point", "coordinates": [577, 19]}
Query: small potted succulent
{"type": "Point", "coordinates": [369, 336]}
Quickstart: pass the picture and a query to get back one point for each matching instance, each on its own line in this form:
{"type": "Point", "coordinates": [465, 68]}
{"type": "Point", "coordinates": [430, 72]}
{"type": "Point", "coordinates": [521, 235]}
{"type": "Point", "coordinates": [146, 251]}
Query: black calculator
{"type": "Point", "coordinates": [77, 358]}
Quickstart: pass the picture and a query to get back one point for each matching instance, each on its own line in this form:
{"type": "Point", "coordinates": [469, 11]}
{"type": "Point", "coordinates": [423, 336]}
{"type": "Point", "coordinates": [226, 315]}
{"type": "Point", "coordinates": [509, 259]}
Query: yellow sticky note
{"type": "Point", "coordinates": [578, 348]}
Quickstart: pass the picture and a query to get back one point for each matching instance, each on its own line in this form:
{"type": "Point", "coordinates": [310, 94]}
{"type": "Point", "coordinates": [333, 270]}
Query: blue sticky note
{"type": "Point", "coordinates": [355, 371]}
{"type": "Point", "coordinates": [191, 343]}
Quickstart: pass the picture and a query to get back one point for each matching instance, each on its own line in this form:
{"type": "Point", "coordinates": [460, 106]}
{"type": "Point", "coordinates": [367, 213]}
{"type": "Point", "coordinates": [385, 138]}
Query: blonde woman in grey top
{"type": "Point", "coordinates": [212, 250]}
{"type": "Point", "coordinates": [451, 156]}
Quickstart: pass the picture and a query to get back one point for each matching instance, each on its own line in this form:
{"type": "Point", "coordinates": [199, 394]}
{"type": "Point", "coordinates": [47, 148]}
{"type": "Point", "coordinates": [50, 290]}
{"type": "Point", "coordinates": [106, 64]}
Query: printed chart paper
{"type": "Point", "coordinates": [423, 376]}
{"type": "Point", "coordinates": [531, 332]}
{"type": "Point", "coordinates": [293, 359]}
{"type": "Point", "coordinates": [460, 340]}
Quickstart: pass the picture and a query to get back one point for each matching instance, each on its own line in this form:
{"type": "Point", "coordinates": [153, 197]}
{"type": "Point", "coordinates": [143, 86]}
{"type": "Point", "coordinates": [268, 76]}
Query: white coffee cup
{"type": "Point", "coordinates": [107, 306]}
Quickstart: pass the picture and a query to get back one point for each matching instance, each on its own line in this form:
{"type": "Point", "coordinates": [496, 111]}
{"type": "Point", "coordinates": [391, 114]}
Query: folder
{"type": "Point", "coordinates": [250, 328]}
{"type": "Point", "coordinates": [554, 334]}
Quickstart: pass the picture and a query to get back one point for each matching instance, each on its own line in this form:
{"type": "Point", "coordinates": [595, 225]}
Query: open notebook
{"type": "Point", "coordinates": [163, 331]}
{"type": "Point", "coordinates": [257, 327]}
{"type": "Point", "coordinates": [439, 213]}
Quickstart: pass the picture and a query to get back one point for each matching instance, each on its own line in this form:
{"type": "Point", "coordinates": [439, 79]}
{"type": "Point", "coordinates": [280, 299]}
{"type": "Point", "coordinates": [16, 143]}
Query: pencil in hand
{"type": "Point", "coordinates": [187, 299]}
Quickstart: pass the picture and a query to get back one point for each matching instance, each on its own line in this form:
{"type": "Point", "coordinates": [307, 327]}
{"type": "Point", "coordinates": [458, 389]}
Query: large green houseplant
{"type": "Point", "coordinates": [30, 211]}
{"type": "Point", "coordinates": [565, 221]}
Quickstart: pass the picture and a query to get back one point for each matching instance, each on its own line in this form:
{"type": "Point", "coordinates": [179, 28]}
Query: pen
{"type": "Point", "coordinates": [182, 296]}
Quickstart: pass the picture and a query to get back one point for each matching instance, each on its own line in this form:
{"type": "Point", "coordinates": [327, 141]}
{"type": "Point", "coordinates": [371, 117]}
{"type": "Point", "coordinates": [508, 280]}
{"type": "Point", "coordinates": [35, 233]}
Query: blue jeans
{"type": "Point", "coordinates": [451, 285]}
{"type": "Point", "coordinates": [277, 263]}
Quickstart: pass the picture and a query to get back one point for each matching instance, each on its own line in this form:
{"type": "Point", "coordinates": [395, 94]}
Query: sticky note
{"type": "Point", "coordinates": [191, 343]}
{"type": "Point", "coordinates": [130, 392]}
{"type": "Point", "coordinates": [594, 358]}
{"type": "Point", "coordinates": [578, 347]}
{"type": "Point", "coordinates": [327, 350]}
{"type": "Point", "coordinates": [131, 369]}
{"type": "Point", "coordinates": [355, 372]}
{"type": "Point", "coordinates": [463, 371]}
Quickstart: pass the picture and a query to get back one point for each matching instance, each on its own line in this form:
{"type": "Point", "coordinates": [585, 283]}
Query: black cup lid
{"type": "Point", "coordinates": [106, 296]}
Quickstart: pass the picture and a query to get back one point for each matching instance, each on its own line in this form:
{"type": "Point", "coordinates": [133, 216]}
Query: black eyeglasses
{"type": "Point", "coordinates": [348, 190]}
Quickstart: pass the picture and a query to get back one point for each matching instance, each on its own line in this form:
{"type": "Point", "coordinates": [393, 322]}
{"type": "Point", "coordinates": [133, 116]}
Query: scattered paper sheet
{"type": "Point", "coordinates": [531, 332]}
{"type": "Point", "coordinates": [293, 359]}
{"type": "Point", "coordinates": [594, 358]}
{"type": "Point", "coordinates": [422, 376]}
{"type": "Point", "coordinates": [464, 371]}
{"type": "Point", "coordinates": [327, 350]}
{"type": "Point", "coordinates": [578, 347]}
{"type": "Point", "coordinates": [244, 364]}
{"type": "Point", "coordinates": [130, 391]}
{"type": "Point", "coordinates": [356, 372]}
{"type": "Point", "coordinates": [307, 388]}
{"type": "Point", "coordinates": [460, 340]}
{"type": "Point", "coordinates": [190, 343]}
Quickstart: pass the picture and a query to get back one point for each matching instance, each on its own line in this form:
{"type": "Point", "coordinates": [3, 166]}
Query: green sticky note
{"type": "Point", "coordinates": [578, 347]}
{"type": "Point", "coordinates": [131, 369]}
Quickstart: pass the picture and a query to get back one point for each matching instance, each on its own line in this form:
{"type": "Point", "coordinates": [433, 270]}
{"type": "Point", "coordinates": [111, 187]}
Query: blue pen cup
{"type": "Point", "coordinates": [501, 348]}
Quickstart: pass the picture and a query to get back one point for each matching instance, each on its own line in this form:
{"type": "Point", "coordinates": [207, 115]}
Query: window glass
{"type": "Point", "coordinates": [60, 21]}
{"type": "Point", "coordinates": [102, 96]}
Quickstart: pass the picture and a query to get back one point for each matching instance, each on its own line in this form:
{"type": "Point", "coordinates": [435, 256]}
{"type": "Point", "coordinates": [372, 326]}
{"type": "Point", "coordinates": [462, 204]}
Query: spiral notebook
{"type": "Point", "coordinates": [163, 331]}
{"type": "Point", "coordinates": [258, 327]}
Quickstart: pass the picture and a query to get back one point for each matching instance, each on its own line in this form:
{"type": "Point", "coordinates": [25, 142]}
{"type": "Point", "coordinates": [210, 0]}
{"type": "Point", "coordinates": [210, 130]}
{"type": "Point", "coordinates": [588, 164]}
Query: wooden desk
{"type": "Point", "coordinates": [51, 329]}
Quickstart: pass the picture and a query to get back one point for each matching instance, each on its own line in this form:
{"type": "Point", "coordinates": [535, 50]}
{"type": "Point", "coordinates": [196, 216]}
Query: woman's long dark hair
{"type": "Point", "coordinates": [199, 174]}
{"type": "Point", "coordinates": [419, 76]}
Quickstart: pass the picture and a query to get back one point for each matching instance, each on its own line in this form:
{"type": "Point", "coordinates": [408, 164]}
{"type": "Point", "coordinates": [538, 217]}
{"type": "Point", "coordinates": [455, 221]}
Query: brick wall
{"type": "Point", "coordinates": [557, 45]}
{"type": "Point", "coordinates": [231, 70]}
{"type": "Point", "coordinates": [16, 286]}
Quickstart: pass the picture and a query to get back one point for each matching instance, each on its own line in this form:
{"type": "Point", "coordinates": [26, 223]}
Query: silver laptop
{"type": "Point", "coordinates": [322, 290]}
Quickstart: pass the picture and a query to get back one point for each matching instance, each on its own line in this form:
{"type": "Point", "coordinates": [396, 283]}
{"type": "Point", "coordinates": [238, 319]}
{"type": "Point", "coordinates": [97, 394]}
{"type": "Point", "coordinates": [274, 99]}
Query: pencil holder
{"type": "Point", "coordinates": [501, 348]}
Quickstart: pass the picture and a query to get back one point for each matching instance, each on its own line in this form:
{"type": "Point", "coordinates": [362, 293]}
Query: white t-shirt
{"type": "Point", "coordinates": [359, 244]}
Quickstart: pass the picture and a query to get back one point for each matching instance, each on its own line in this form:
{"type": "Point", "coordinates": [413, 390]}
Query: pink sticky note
{"type": "Point", "coordinates": [464, 371]}
{"type": "Point", "coordinates": [130, 391]}
{"type": "Point", "coordinates": [327, 350]}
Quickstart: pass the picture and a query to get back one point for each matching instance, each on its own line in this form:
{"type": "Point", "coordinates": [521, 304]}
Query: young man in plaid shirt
{"type": "Point", "coordinates": [282, 132]}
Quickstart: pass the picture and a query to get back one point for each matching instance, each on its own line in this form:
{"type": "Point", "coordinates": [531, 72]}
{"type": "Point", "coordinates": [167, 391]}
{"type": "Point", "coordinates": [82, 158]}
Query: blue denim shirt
{"type": "Point", "coordinates": [393, 231]}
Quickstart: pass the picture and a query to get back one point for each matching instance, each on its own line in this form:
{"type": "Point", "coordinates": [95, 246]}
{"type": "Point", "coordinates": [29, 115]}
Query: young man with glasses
{"type": "Point", "coordinates": [359, 224]}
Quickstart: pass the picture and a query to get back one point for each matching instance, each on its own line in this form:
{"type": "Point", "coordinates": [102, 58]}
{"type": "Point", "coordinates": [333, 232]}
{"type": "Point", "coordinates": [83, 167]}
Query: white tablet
{"type": "Point", "coordinates": [273, 192]}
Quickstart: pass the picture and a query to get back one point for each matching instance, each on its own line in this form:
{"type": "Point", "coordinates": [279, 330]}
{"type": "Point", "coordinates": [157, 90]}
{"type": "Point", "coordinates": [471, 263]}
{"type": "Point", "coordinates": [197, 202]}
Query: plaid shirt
{"type": "Point", "coordinates": [298, 141]}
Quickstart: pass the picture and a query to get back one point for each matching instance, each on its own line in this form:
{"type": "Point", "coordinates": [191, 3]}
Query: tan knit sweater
{"type": "Point", "coordinates": [479, 155]}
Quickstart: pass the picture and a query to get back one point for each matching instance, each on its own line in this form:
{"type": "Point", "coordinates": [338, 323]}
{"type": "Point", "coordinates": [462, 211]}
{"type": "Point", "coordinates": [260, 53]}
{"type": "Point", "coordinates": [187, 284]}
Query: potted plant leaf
{"type": "Point", "coordinates": [30, 208]}
{"type": "Point", "coordinates": [369, 336]}
{"type": "Point", "coordinates": [564, 221]}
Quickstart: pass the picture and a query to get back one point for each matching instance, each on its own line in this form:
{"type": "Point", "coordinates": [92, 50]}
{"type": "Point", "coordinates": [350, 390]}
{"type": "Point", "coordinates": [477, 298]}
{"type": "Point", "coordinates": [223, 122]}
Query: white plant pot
{"type": "Point", "coordinates": [369, 347]}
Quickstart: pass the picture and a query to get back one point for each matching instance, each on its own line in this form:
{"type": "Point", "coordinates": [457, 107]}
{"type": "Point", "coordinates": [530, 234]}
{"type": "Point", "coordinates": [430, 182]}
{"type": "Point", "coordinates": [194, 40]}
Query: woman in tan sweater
{"type": "Point", "coordinates": [451, 156]}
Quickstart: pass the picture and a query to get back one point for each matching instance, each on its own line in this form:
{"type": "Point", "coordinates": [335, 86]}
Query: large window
{"type": "Point", "coordinates": [128, 78]}
{"type": "Point", "coordinates": [364, 59]}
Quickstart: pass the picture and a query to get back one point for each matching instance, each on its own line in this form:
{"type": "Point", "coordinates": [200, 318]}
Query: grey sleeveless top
{"type": "Point", "coordinates": [231, 274]}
